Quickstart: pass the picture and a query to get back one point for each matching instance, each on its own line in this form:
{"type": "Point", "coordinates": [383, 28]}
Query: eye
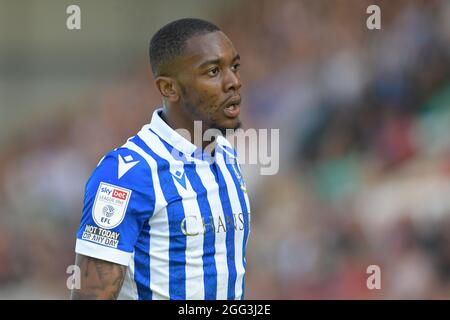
{"type": "Point", "coordinates": [213, 72]}
{"type": "Point", "coordinates": [236, 66]}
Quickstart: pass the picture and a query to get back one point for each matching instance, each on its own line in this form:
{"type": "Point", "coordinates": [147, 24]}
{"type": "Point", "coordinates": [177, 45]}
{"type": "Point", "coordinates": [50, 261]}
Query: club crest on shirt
{"type": "Point", "coordinates": [238, 175]}
{"type": "Point", "coordinates": [110, 205]}
{"type": "Point", "coordinates": [230, 158]}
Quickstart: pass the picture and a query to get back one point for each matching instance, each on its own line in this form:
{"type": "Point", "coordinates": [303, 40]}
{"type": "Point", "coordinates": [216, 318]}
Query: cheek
{"type": "Point", "coordinates": [209, 101]}
{"type": "Point", "coordinates": [206, 98]}
{"type": "Point", "coordinates": [212, 100]}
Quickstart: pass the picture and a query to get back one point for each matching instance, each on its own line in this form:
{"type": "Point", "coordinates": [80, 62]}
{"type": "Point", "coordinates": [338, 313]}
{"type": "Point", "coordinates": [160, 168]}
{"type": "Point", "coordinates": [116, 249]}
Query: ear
{"type": "Point", "coordinates": [168, 88]}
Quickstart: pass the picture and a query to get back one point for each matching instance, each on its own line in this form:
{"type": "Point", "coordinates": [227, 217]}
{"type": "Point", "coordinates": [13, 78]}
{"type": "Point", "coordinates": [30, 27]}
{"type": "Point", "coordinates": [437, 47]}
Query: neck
{"type": "Point", "coordinates": [178, 120]}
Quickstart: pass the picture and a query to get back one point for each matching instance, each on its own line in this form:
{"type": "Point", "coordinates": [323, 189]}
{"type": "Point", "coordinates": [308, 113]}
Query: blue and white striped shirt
{"type": "Point", "coordinates": [178, 221]}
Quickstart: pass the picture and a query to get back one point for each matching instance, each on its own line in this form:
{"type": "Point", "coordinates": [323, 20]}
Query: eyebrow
{"type": "Point", "coordinates": [217, 61]}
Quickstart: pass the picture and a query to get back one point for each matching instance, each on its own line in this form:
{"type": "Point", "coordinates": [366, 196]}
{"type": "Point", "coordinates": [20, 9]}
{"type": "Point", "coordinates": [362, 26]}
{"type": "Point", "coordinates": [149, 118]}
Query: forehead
{"type": "Point", "coordinates": [209, 46]}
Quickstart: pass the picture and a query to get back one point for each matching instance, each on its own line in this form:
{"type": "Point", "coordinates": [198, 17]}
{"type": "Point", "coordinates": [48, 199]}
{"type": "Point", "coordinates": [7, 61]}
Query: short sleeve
{"type": "Point", "coordinates": [119, 198]}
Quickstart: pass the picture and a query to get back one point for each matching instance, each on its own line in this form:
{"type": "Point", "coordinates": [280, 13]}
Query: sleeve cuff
{"type": "Point", "coordinates": [103, 253]}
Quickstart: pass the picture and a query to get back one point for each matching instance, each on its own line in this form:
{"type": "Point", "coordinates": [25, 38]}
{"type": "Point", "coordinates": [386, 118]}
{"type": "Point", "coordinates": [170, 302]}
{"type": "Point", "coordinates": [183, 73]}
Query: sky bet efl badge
{"type": "Point", "coordinates": [110, 205]}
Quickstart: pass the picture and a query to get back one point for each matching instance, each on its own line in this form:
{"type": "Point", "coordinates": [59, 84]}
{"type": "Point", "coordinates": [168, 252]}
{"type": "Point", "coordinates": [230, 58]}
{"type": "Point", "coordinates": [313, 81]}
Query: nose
{"type": "Point", "coordinates": [232, 81]}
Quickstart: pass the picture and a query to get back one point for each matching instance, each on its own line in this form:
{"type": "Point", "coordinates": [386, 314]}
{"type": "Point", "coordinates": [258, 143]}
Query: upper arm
{"type": "Point", "coordinates": [119, 199]}
{"type": "Point", "coordinates": [100, 279]}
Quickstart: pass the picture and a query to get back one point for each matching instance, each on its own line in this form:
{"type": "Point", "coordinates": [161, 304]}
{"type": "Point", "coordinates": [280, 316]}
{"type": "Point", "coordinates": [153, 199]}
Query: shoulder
{"type": "Point", "coordinates": [122, 167]}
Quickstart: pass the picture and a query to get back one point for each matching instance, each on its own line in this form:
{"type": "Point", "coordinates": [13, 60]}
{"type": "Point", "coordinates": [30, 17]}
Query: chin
{"type": "Point", "coordinates": [228, 126]}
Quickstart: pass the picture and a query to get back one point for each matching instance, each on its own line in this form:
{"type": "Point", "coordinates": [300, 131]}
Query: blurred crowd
{"type": "Point", "coordinates": [364, 119]}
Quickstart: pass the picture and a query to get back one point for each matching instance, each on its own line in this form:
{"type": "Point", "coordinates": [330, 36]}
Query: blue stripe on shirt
{"type": "Point", "coordinates": [209, 237]}
{"type": "Point", "coordinates": [142, 263]}
{"type": "Point", "coordinates": [228, 212]}
{"type": "Point", "coordinates": [244, 210]}
{"type": "Point", "coordinates": [175, 213]}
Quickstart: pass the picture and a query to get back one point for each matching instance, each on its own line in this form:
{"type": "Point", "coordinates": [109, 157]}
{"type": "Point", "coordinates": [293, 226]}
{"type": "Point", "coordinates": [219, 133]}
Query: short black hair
{"type": "Point", "coordinates": [169, 41]}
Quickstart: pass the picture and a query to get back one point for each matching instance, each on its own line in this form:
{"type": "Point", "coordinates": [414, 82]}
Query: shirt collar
{"type": "Point", "coordinates": [176, 140]}
{"type": "Point", "coordinates": [165, 132]}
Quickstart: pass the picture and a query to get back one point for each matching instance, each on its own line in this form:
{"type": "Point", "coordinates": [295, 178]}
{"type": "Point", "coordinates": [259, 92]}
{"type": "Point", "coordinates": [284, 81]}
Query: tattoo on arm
{"type": "Point", "coordinates": [100, 279]}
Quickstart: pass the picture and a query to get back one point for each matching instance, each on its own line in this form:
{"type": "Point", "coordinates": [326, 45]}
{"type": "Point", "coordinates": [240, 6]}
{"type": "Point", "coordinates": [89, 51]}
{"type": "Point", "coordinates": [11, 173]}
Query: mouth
{"type": "Point", "coordinates": [232, 107]}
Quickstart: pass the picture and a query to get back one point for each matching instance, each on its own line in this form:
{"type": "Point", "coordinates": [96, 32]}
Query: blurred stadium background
{"type": "Point", "coordinates": [365, 137]}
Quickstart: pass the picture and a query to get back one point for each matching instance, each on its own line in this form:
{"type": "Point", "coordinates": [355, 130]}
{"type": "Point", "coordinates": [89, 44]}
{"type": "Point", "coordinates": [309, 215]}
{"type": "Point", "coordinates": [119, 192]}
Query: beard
{"type": "Point", "coordinates": [209, 120]}
{"type": "Point", "coordinates": [226, 131]}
